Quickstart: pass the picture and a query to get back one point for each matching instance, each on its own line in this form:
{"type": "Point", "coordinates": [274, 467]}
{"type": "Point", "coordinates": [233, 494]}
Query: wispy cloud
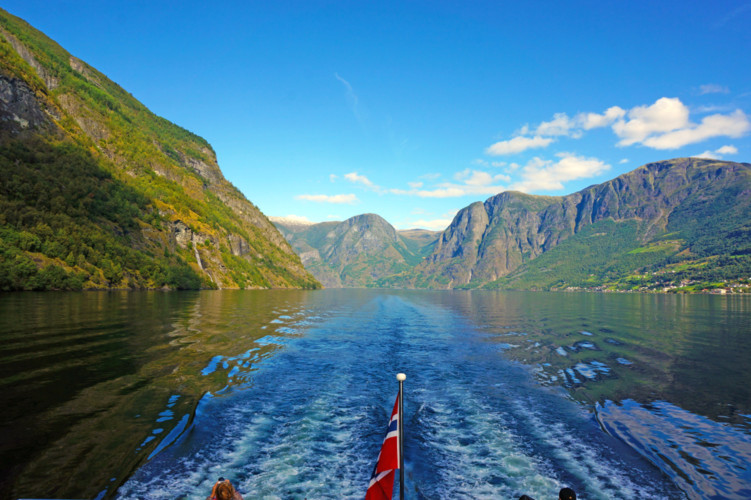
{"type": "Point", "coordinates": [713, 88]}
{"type": "Point", "coordinates": [518, 145]}
{"type": "Point", "coordinates": [294, 219]}
{"type": "Point", "coordinates": [469, 182]}
{"type": "Point", "coordinates": [325, 198]}
{"type": "Point", "coordinates": [438, 224]}
{"type": "Point", "coordinates": [432, 224]}
{"type": "Point", "coordinates": [356, 178]}
{"type": "Point", "coordinates": [732, 15]}
{"type": "Point", "coordinates": [353, 102]}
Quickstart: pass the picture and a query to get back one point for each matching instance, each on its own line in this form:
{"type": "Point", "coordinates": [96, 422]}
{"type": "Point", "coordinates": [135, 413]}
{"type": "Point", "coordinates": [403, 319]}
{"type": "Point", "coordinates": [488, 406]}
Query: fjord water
{"type": "Point", "coordinates": [287, 393]}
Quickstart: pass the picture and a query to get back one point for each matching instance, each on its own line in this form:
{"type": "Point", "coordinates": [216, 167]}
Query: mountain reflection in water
{"type": "Point", "coordinates": [287, 393]}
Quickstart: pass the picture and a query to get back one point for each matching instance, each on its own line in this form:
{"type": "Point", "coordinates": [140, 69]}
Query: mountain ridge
{"type": "Point", "coordinates": [686, 220]}
{"type": "Point", "coordinates": [489, 240]}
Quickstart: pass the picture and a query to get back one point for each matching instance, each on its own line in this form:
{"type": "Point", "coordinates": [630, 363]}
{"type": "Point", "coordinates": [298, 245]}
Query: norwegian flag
{"type": "Point", "coordinates": [382, 481]}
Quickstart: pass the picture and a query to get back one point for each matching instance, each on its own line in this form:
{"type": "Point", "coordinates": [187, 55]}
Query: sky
{"type": "Point", "coordinates": [412, 110]}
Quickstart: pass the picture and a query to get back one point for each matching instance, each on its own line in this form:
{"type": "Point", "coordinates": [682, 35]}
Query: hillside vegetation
{"type": "Point", "coordinates": [98, 192]}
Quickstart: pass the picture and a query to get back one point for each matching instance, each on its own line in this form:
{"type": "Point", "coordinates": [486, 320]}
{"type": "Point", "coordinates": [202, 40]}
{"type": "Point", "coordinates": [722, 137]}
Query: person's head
{"type": "Point", "coordinates": [225, 490]}
{"type": "Point", "coordinates": [567, 494]}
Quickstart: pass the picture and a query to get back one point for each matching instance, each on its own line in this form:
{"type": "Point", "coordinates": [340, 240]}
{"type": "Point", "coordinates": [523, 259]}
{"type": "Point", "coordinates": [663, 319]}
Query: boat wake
{"type": "Point", "coordinates": [308, 422]}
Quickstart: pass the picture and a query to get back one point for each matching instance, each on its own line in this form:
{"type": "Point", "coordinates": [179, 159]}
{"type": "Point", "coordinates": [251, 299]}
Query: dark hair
{"type": "Point", "coordinates": [567, 494]}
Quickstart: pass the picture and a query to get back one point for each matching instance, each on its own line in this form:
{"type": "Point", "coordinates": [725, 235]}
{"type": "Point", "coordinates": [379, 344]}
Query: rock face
{"type": "Point", "coordinates": [355, 253]}
{"type": "Point", "coordinates": [185, 213]}
{"type": "Point", "coordinates": [19, 108]}
{"type": "Point", "coordinates": [489, 240]}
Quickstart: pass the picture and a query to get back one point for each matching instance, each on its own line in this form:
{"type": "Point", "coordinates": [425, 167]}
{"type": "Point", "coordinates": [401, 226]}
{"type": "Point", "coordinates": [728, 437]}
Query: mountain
{"type": "Point", "coordinates": [686, 218]}
{"type": "Point", "coordinates": [99, 192]}
{"type": "Point", "coordinates": [358, 252]}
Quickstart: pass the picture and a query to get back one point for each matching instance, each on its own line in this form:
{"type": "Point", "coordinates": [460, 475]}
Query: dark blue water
{"type": "Point", "coordinates": [288, 393]}
{"type": "Point", "coordinates": [310, 422]}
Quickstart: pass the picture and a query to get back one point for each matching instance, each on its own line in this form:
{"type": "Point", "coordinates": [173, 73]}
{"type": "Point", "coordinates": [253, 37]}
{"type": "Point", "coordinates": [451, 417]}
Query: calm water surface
{"type": "Point", "coordinates": [154, 395]}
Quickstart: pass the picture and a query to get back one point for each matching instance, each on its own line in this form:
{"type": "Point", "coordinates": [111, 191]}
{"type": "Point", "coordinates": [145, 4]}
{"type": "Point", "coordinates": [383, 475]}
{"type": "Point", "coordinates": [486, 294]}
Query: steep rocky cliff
{"type": "Point", "coordinates": [100, 192]}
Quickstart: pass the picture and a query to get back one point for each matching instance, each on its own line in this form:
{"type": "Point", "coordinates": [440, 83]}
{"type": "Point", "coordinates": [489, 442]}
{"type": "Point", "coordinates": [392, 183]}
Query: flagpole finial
{"type": "Point", "coordinates": [401, 377]}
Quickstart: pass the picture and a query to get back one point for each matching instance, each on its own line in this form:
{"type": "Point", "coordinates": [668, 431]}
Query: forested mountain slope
{"type": "Point", "coordinates": [98, 192]}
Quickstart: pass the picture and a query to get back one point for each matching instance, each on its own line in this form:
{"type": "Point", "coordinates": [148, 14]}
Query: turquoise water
{"type": "Point", "coordinates": [155, 395]}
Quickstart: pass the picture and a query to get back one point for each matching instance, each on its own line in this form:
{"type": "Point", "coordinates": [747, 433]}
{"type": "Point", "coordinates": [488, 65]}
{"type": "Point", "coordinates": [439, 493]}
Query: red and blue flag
{"type": "Point", "coordinates": [381, 484]}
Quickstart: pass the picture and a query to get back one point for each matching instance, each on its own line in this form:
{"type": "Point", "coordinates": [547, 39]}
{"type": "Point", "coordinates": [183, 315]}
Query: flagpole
{"type": "Point", "coordinates": [401, 378]}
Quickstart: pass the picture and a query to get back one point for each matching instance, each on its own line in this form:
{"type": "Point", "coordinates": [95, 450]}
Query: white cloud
{"type": "Point", "coordinates": [665, 124]}
{"type": "Point", "coordinates": [665, 115]}
{"type": "Point", "coordinates": [324, 198]}
{"type": "Point", "coordinates": [479, 178]}
{"type": "Point", "coordinates": [734, 125]}
{"type": "Point", "coordinates": [728, 150]}
{"type": "Point", "coordinates": [713, 88]}
{"type": "Point", "coordinates": [333, 177]}
{"type": "Point", "coordinates": [438, 224]}
{"type": "Point", "coordinates": [708, 154]}
{"type": "Point", "coordinates": [588, 121]}
{"type": "Point", "coordinates": [433, 224]}
{"type": "Point", "coordinates": [517, 145]}
{"type": "Point", "coordinates": [623, 161]}
{"type": "Point", "coordinates": [293, 219]}
{"type": "Point", "coordinates": [359, 179]}
{"type": "Point", "coordinates": [547, 175]}
{"type": "Point", "coordinates": [469, 182]}
{"type": "Point", "coordinates": [717, 154]}
{"type": "Point", "coordinates": [561, 124]}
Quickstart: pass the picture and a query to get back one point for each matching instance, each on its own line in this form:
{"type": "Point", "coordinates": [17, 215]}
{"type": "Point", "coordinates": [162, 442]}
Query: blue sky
{"type": "Point", "coordinates": [413, 110]}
